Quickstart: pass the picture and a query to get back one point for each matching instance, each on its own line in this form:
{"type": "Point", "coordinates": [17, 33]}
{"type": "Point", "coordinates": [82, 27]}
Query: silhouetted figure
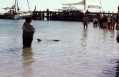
{"type": "Point", "coordinates": [113, 21]}
{"type": "Point", "coordinates": [104, 21]}
{"type": "Point", "coordinates": [117, 38]}
{"type": "Point", "coordinates": [109, 21]}
{"type": "Point", "coordinates": [28, 31]}
{"type": "Point", "coordinates": [100, 21]}
{"type": "Point", "coordinates": [85, 21]}
{"type": "Point", "coordinates": [95, 22]}
{"type": "Point", "coordinates": [117, 22]}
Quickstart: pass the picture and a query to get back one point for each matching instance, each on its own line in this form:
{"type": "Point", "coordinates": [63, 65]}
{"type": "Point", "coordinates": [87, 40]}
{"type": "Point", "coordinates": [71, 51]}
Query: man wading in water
{"type": "Point", "coordinates": [28, 32]}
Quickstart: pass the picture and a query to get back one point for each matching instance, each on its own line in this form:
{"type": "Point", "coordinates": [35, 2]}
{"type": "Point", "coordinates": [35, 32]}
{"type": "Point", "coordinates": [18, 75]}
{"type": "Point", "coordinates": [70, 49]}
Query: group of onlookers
{"type": "Point", "coordinates": [110, 22]}
{"type": "Point", "coordinates": [106, 22]}
{"type": "Point", "coordinates": [102, 21]}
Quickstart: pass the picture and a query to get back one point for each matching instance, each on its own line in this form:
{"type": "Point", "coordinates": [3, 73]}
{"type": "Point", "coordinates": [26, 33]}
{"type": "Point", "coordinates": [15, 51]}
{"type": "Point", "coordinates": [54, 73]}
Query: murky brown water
{"type": "Point", "coordinates": [79, 53]}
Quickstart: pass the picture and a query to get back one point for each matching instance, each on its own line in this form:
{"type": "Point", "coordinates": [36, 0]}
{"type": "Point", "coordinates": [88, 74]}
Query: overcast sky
{"type": "Point", "coordinates": [108, 5]}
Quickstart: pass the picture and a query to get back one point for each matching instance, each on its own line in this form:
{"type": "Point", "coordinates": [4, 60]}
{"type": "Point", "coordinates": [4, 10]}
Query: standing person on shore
{"type": "Point", "coordinates": [95, 21]}
{"type": "Point", "coordinates": [109, 21]}
{"type": "Point", "coordinates": [85, 21]}
{"type": "Point", "coordinates": [28, 32]}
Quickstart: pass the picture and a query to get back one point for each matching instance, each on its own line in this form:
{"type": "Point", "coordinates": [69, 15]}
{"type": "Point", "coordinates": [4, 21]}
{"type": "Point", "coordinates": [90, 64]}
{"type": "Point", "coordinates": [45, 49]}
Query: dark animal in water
{"type": "Point", "coordinates": [39, 40]}
{"type": "Point", "coordinates": [56, 40]}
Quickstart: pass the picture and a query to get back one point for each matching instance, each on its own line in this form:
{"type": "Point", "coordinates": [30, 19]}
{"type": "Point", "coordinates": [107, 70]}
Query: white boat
{"type": "Point", "coordinates": [14, 12]}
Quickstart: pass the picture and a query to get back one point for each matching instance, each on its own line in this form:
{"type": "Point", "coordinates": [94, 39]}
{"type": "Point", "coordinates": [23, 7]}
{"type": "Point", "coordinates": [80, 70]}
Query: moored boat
{"type": "Point", "coordinates": [14, 12]}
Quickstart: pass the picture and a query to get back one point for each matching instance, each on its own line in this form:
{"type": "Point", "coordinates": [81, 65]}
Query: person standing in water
{"type": "Point", "coordinates": [95, 21]}
{"type": "Point", "coordinates": [28, 32]}
{"type": "Point", "coordinates": [85, 21]}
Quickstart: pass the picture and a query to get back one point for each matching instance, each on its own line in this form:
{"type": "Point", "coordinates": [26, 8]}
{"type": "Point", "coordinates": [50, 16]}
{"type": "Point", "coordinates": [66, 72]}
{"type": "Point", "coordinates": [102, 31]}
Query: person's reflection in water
{"type": "Point", "coordinates": [112, 34]}
{"type": "Point", "coordinates": [85, 33]}
{"type": "Point", "coordinates": [84, 38]}
{"type": "Point", "coordinates": [27, 60]}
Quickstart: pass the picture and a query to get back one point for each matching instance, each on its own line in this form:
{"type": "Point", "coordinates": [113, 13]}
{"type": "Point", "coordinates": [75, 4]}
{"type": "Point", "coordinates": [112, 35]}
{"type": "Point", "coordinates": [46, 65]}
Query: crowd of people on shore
{"type": "Point", "coordinates": [109, 22]}
{"type": "Point", "coordinates": [102, 21]}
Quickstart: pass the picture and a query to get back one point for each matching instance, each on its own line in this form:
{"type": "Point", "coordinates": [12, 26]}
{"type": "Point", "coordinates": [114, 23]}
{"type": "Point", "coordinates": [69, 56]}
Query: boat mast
{"type": "Point", "coordinates": [85, 5]}
{"type": "Point", "coordinates": [28, 5]}
{"type": "Point", "coordinates": [101, 5]}
{"type": "Point", "coordinates": [16, 7]}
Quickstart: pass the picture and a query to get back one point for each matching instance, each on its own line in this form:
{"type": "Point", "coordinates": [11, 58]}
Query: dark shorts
{"type": "Point", "coordinates": [27, 39]}
{"type": "Point", "coordinates": [95, 23]}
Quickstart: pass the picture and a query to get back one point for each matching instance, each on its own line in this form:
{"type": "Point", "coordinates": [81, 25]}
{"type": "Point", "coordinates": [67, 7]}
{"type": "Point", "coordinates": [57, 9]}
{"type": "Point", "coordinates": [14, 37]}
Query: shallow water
{"type": "Point", "coordinates": [79, 53]}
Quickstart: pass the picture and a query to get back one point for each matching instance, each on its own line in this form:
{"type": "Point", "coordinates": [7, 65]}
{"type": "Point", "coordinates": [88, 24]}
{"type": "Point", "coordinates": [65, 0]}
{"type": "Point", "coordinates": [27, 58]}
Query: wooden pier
{"type": "Point", "coordinates": [72, 15]}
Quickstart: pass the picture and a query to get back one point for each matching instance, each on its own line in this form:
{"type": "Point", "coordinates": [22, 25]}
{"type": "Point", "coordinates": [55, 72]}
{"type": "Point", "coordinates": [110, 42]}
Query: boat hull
{"type": "Point", "coordinates": [14, 17]}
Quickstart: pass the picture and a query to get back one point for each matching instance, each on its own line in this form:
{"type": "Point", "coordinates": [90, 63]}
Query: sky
{"type": "Point", "coordinates": [107, 5]}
